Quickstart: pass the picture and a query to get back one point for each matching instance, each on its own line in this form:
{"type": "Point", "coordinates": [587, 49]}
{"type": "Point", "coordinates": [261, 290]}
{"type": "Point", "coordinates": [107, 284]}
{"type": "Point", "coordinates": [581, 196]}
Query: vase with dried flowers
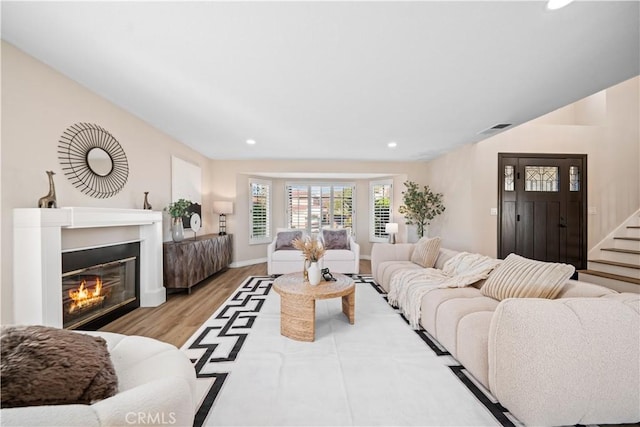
{"type": "Point", "coordinates": [312, 250]}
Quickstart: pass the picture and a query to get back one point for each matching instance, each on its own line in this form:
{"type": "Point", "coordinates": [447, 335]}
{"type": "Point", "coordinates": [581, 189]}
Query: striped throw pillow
{"type": "Point", "coordinates": [426, 252]}
{"type": "Point", "coordinates": [519, 277]}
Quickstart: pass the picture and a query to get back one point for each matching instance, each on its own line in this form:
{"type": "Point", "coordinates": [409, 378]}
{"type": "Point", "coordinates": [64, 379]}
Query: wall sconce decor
{"type": "Point", "coordinates": [391, 229]}
{"type": "Point", "coordinates": [223, 208]}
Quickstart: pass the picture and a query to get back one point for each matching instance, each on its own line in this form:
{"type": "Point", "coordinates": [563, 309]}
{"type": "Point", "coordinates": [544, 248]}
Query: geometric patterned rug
{"type": "Point", "coordinates": [215, 347]}
{"type": "Point", "coordinates": [222, 336]}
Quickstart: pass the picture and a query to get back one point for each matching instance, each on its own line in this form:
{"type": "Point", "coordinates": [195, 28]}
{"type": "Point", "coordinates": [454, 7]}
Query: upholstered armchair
{"type": "Point", "coordinates": [156, 386]}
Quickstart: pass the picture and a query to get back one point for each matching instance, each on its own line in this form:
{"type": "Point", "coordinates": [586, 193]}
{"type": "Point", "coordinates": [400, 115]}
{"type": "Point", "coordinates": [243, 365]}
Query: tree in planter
{"type": "Point", "coordinates": [420, 205]}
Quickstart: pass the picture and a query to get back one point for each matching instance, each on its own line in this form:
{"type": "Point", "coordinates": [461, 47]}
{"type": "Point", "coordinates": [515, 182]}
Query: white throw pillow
{"type": "Point", "coordinates": [426, 252]}
{"type": "Point", "coordinates": [519, 277]}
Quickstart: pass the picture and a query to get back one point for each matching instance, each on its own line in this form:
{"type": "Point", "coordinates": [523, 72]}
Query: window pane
{"type": "Point", "coordinates": [325, 208]}
{"type": "Point", "coordinates": [508, 178]}
{"type": "Point", "coordinates": [298, 206]}
{"type": "Point", "coordinates": [541, 178]}
{"type": "Point", "coordinates": [381, 209]}
{"type": "Point", "coordinates": [316, 209]}
{"type": "Point", "coordinates": [311, 207]}
{"type": "Point", "coordinates": [260, 215]}
{"type": "Point", "coordinates": [342, 214]}
{"type": "Point", "coordinates": [574, 178]}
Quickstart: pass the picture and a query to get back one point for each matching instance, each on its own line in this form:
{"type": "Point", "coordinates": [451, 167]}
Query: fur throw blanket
{"type": "Point", "coordinates": [409, 285]}
{"type": "Point", "coordinates": [49, 366]}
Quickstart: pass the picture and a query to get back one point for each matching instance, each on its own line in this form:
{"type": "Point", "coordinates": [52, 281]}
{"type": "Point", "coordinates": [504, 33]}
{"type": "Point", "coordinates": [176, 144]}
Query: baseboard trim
{"type": "Point", "coordinates": [248, 262]}
{"type": "Point", "coordinates": [367, 257]}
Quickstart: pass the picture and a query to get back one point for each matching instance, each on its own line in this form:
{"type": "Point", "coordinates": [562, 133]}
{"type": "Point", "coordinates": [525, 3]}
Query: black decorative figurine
{"type": "Point", "coordinates": [146, 204]}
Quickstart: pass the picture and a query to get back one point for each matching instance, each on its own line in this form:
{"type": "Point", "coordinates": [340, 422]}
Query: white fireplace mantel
{"type": "Point", "coordinates": [37, 257]}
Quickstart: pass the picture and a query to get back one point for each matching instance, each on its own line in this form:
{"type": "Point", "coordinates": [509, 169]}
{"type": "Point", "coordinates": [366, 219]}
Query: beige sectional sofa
{"type": "Point", "coordinates": [571, 360]}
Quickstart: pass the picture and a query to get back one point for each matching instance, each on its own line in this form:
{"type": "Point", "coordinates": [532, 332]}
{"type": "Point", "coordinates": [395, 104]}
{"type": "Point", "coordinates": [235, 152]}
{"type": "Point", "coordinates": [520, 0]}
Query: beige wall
{"type": "Point", "coordinates": [604, 126]}
{"type": "Point", "coordinates": [38, 104]}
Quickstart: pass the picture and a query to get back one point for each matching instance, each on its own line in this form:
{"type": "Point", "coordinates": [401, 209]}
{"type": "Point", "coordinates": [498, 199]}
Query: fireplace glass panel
{"type": "Point", "coordinates": [92, 292]}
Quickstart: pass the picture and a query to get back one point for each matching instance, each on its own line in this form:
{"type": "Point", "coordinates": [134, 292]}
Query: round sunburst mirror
{"type": "Point", "coordinates": [93, 160]}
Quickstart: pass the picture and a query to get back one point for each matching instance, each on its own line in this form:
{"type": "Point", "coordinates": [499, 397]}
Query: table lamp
{"type": "Point", "coordinates": [391, 229]}
{"type": "Point", "coordinates": [223, 208]}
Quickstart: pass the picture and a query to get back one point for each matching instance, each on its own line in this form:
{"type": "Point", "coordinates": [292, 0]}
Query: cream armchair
{"type": "Point", "coordinates": [156, 387]}
{"type": "Point", "coordinates": [283, 259]}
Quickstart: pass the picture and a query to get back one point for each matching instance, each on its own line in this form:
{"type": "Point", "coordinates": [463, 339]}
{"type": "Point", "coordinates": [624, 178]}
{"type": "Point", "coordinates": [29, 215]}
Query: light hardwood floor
{"type": "Point", "coordinates": [177, 319]}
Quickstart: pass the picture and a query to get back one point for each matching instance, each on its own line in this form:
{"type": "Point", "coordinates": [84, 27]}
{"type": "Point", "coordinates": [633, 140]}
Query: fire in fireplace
{"type": "Point", "coordinates": [84, 298]}
{"type": "Point", "coordinates": [99, 285]}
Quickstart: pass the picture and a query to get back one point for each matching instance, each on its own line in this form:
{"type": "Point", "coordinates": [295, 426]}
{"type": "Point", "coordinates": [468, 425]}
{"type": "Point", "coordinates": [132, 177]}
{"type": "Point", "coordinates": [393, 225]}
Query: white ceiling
{"type": "Point", "coordinates": [329, 80]}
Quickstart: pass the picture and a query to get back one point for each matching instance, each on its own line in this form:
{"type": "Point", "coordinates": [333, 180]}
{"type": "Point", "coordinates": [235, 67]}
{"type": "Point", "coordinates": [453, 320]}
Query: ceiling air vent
{"type": "Point", "coordinates": [494, 128]}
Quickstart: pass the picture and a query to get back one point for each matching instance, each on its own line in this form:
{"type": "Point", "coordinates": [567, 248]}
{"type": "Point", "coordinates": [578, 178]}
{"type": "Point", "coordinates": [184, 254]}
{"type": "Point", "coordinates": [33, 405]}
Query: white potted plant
{"type": "Point", "coordinates": [178, 210]}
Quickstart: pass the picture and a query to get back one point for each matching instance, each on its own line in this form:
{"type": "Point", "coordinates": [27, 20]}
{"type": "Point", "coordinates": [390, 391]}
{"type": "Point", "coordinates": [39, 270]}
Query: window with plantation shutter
{"type": "Point", "coordinates": [381, 208]}
{"type": "Point", "coordinates": [312, 207]}
{"type": "Point", "coordinates": [297, 206]}
{"type": "Point", "coordinates": [260, 214]}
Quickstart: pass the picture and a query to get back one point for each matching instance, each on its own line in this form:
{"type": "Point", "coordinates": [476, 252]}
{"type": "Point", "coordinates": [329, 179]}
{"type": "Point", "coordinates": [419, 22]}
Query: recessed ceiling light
{"type": "Point", "coordinates": [392, 144]}
{"type": "Point", "coordinates": [251, 141]}
{"type": "Point", "coordinates": [557, 4]}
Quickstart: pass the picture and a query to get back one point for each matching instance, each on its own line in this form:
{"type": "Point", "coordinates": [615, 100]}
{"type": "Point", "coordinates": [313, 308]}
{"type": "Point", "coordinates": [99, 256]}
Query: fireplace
{"type": "Point", "coordinates": [37, 257]}
{"type": "Point", "coordinates": [99, 285]}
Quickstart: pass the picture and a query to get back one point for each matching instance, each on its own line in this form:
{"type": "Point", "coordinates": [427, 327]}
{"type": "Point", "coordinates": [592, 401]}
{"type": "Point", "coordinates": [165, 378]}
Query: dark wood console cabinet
{"type": "Point", "coordinates": [189, 262]}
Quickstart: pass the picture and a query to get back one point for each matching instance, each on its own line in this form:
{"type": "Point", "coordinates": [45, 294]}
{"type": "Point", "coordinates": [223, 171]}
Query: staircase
{"type": "Point", "coordinates": [615, 262]}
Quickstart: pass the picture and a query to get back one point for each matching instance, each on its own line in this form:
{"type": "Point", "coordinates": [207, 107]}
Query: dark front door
{"type": "Point", "coordinates": [543, 207]}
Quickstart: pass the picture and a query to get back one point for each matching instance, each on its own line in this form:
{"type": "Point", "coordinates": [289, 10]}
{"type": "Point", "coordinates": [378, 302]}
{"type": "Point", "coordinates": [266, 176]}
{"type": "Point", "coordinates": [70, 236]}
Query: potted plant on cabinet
{"type": "Point", "coordinates": [420, 206]}
{"type": "Point", "coordinates": [178, 210]}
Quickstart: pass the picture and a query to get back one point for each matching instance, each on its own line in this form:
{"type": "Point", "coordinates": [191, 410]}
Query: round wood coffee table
{"type": "Point", "coordinates": [298, 302]}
